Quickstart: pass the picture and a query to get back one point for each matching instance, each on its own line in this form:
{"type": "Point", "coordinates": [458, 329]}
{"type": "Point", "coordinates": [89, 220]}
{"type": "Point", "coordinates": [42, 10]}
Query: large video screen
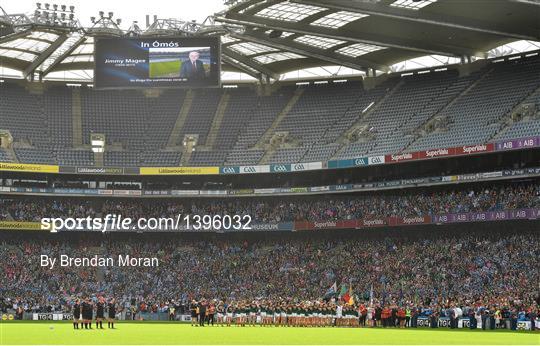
{"type": "Point", "coordinates": [157, 62]}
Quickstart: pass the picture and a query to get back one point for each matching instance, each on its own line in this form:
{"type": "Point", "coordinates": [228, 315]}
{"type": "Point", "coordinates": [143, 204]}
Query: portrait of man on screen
{"type": "Point", "coordinates": [193, 68]}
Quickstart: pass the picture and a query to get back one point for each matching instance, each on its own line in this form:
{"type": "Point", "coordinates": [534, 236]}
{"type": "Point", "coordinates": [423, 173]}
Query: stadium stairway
{"type": "Point", "coordinates": [99, 159]}
{"type": "Point", "coordinates": [342, 140]}
{"type": "Point", "coordinates": [8, 216]}
{"type": "Point", "coordinates": [443, 110]}
{"type": "Point", "coordinates": [263, 141]}
{"type": "Point", "coordinates": [269, 153]}
{"type": "Point", "coordinates": [10, 154]}
{"type": "Point", "coordinates": [179, 124]}
{"type": "Point", "coordinates": [187, 152]}
{"type": "Point", "coordinates": [218, 119]}
{"type": "Point", "coordinates": [507, 121]}
{"type": "Point", "coordinates": [77, 117]}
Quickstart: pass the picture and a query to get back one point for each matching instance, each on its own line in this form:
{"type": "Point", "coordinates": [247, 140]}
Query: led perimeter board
{"type": "Point", "coordinates": [158, 62]}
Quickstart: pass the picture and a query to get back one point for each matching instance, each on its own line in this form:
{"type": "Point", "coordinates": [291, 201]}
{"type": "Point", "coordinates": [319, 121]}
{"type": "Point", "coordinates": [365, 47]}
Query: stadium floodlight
{"type": "Point", "coordinates": [93, 19]}
{"type": "Point", "coordinates": [72, 9]}
{"type": "Point", "coordinates": [101, 14]}
{"type": "Point", "coordinates": [53, 14]}
{"type": "Point", "coordinates": [118, 21]}
{"type": "Point", "coordinates": [110, 15]}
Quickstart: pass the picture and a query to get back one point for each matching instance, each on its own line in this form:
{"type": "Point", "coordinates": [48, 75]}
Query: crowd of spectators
{"type": "Point", "coordinates": [33, 209]}
{"type": "Point", "coordinates": [433, 272]}
{"type": "Point", "coordinates": [493, 270]}
{"type": "Point", "coordinates": [401, 203]}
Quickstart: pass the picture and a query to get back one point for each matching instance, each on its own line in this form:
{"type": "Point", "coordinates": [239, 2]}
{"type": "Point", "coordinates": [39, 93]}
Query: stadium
{"type": "Point", "coordinates": [275, 172]}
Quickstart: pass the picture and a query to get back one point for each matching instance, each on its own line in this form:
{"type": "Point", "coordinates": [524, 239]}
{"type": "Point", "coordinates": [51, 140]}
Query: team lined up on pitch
{"type": "Point", "coordinates": [343, 313]}
{"type": "Point", "coordinates": [298, 315]}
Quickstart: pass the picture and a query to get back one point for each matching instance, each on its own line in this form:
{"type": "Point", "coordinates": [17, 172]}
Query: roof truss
{"type": "Point", "coordinates": [64, 55]}
{"type": "Point", "coordinates": [302, 27]}
{"type": "Point", "coordinates": [44, 55]}
{"type": "Point", "coordinates": [313, 52]}
{"type": "Point", "coordinates": [246, 69]}
{"type": "Point", "coordinates": [425, 17]}
{"type": "Point", "coordinates": [249, 62]}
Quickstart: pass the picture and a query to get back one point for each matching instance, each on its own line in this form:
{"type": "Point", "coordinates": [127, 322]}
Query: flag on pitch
{"type": "Point", "coordinates": [348, 296]}
{"type": "Point", "coordinates": [343, 290]}
{"type": "Point", "coordinates": [331, 291]}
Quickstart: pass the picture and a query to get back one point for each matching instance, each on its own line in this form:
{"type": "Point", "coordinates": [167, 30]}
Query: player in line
{"type": "Point", "coordinates": [83, 313]}
{"type": "Point", "coordinates": [87, 311]}
{"type": "Point", "coordinates": [112, 313]}
{"type": "Point", "coordinates": [77, 314]}
{"type": "Point", "coordinates": [100, 313]}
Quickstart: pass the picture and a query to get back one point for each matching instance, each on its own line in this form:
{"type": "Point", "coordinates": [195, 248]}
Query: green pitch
{"type": "Point", "coordinates": [165, 69]}
{"type": "Point", "coordinates": [58, 333]}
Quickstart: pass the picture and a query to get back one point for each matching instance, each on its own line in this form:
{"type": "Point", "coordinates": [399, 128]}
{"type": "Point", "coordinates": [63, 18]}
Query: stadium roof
{"type": "Point", "coordinates": [267, 39]}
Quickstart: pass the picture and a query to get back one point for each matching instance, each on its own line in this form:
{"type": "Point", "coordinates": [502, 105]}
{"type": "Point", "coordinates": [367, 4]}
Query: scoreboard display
{"type": "Point", "coordinates": [159, 62]}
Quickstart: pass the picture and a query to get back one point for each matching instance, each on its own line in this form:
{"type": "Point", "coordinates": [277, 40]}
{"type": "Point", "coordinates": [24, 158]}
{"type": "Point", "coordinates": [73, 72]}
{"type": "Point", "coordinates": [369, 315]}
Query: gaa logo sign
{"type": "Point", "coordinates": [249, 169]}
{"type": "Point", "coordinates": [376, 160]}
{"type": "Point", "coordinates": [362, 161]}
{"type": "Point", "coordinates": [279, 168]}
{"type": "Point", "coordinates": [228, 170]}
{"type": "Point", "coordinates": [299, 167]}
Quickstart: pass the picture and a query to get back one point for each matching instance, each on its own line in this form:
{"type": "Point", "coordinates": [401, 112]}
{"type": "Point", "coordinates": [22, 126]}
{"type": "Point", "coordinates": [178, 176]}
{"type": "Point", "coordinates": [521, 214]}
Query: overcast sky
{"type": "Point", "coordinates": [127, 10]}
